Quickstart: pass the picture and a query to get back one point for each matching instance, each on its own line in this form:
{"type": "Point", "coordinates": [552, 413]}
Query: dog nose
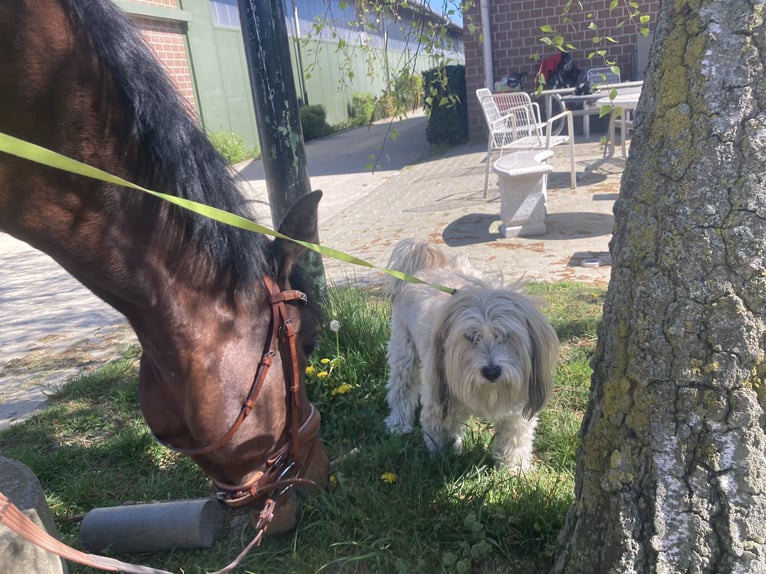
{"type": "Point", "coordinates": [491, 372]}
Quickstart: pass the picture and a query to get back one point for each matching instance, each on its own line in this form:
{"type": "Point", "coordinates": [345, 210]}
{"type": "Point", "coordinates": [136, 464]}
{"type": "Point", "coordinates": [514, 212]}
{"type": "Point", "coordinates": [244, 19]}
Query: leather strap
{"type": "Point", "coordinates": [14, 519]}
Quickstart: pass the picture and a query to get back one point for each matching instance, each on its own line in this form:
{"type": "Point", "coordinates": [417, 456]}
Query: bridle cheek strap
{"type": "Point", "coordinates": [285, 465]}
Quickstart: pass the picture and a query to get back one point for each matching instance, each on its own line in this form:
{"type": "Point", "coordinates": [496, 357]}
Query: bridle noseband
{"type": "Point", "coordinates": [284, 465]}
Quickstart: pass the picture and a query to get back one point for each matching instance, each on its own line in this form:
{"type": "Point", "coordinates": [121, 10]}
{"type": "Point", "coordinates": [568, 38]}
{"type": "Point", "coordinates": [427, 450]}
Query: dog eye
{"type": "Point", "coordinates": [474, 337]}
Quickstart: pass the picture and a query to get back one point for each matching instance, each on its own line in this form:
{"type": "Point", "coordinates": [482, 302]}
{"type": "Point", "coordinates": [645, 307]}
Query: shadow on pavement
{"type": "Point", "coordinates": [477, 228]}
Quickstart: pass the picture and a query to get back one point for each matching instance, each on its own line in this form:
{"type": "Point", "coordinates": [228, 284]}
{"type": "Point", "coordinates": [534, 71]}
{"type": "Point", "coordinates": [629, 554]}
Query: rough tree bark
{"type": "Point", "coordinates": [671, 472]}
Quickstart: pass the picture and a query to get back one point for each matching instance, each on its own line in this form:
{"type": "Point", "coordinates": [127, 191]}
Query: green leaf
{"type": "Point", "coordinates": [547, 29]}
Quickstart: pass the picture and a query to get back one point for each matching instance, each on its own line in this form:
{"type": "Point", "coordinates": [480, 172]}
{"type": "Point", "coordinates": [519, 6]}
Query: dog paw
{"type": "Point", "coordinates": [515, 467]}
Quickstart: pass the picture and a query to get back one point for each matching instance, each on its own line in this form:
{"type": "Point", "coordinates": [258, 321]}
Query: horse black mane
{"type": "Point", "coordinates": [181, 160]}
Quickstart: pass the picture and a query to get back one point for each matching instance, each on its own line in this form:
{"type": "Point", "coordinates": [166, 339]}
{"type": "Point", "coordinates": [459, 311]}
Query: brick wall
{"type": "Point", "coordinates": [515, 30]}
{"type": "Point", "coordinates": [167, 39]}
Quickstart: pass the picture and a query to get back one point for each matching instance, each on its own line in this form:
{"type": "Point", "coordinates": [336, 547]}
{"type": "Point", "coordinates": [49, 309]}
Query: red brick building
{"type": "Point", "coordinates": [513, 32]}
{"type": "Point", "coordinates": [164, 26]}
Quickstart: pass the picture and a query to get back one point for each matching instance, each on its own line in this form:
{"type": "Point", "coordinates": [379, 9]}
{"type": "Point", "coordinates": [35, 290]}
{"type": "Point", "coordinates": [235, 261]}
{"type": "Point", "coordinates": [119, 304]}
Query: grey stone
{"type": "Point", "coordinates": [17, 556]}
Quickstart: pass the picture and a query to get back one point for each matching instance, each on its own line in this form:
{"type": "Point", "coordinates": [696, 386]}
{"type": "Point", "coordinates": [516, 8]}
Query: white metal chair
{"type": "Point", "coordinates": [513, 121]}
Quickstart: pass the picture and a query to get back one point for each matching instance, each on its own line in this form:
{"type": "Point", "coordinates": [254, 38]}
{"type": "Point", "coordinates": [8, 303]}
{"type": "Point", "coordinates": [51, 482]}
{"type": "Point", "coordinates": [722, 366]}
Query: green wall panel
{"type": "Point", "coordinates": [221, 79]}
{"type": "Point", "coordinates": [220, 74]}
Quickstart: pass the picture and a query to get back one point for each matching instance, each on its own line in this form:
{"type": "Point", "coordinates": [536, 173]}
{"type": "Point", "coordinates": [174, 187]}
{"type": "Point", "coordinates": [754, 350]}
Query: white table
{"type": "Point", "coordinates": [625, 100]}
{"type": "Point", "coordinates": [589, 107]}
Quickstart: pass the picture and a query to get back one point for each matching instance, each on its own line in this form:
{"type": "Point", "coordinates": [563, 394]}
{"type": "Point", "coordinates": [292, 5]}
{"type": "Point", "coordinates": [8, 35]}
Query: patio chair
{"type": "Point", "coordinates": [513, 121]}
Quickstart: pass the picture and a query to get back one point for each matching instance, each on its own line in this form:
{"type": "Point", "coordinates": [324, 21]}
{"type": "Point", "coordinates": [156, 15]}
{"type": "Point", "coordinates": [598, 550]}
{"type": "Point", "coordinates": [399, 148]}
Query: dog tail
{"type": "Point", "coordinates": [410, 256]}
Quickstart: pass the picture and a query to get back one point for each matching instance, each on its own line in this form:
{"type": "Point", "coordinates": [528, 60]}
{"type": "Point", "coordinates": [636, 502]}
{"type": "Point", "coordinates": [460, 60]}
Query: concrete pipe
{"type": "Point", "coordinates": [153, 527]}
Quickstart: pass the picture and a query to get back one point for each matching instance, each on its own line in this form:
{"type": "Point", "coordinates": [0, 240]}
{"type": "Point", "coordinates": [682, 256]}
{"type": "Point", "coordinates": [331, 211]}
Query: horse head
{"type": "Point", "coordinates": [247, 420]}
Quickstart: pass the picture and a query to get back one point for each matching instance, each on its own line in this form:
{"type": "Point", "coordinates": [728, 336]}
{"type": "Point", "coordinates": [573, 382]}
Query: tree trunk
{"type": "Point", "coordinates": [671, 472]}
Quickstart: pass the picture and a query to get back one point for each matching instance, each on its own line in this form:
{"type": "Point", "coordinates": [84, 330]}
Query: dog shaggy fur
{"type": "Point", "coordinates": [486, 350]}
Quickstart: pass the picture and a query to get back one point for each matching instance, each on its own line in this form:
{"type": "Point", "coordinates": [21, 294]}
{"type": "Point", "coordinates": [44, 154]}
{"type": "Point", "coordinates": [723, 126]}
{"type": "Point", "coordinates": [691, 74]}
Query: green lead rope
{"type": "Point", "coordinates": [44, 156]}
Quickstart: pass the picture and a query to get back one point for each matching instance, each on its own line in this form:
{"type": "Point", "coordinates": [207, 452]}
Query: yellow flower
{"type": "Point", "coordinates": [310, 370]}
{"type": "Point", "coordinates": [333, 480]}
{"type": "Point", "coordinates": [341, 389]}
{"type": "Point", "coordinates": [389, 477]}
{"type": "Point", "coordinates": [325, 361]}
{"type": "Point", "coordinates": [323, 374]}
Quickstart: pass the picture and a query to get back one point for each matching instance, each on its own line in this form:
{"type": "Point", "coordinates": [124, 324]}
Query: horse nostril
{"type": "Point", "coordinates": [491, 372]}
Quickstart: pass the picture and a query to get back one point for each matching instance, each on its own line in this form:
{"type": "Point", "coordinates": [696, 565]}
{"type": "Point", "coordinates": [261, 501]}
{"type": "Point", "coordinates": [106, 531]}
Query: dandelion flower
{"type": "Point", "coordinates": [341, 389]}
{"type": "Point", "coordinates": [310, 370]}
{"type": "Point", "coordinates": [334, 325]}
{"type": "Point", "coordinates": [323, 374]}
{"type": "Point", "coordinates": [389, 477]}
{"type": "Point", "coordinates": [333, 481]}
{"type": "Point", "coordinates": [324, 361]}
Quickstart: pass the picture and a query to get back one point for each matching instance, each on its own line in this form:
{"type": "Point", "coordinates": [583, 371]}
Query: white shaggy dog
{"type": "Point", "coordinates": [484, 351]}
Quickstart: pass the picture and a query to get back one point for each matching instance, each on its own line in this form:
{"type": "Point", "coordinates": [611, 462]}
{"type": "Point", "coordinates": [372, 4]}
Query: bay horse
{"type": "Point", "coordinates": [218, 311]}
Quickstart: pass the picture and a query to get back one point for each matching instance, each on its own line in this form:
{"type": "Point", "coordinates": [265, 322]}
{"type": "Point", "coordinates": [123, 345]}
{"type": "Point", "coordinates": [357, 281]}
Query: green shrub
{"type": "Point", "coordinates": [314, 122]}
{"type": "Point", "coordinates": [385, 107]}
{"type": "Point", "coordinates": [232, 147]}
{"type": "Point", "coordinates": [445, 101]}
{"type": "Point", "coordinates": [362, 108]}
{"type": "Point", "coordinates": [408, 88]}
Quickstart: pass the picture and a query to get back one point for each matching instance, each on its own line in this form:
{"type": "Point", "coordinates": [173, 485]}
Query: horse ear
{"type": "Point", "coordinates": [301, 224]}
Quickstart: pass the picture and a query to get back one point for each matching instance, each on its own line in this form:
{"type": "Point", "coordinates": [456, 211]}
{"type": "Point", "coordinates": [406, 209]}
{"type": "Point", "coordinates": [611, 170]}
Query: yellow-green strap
{"type": "Point", "coordinates": [23, 149]}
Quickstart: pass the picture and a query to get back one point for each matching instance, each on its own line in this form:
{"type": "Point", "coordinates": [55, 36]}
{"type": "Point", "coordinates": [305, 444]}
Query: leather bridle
{"type": "Point", "coordinates": [285, 464]}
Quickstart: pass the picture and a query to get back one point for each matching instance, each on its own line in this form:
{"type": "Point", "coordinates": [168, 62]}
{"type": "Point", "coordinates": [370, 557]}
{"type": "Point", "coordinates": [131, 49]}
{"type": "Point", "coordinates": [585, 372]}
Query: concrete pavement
{"type": "Point", "coordinates": [51, 328]}
{"type": "Point", "coordinates": [439, 197]}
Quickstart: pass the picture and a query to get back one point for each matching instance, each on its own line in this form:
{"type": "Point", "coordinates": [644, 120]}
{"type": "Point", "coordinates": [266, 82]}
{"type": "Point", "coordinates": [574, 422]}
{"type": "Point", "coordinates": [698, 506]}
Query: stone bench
{"type": "Point", "coordinates": [523, 177]}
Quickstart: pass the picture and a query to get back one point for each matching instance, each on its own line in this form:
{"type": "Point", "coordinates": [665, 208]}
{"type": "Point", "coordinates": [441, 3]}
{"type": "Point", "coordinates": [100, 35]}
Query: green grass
{"type": "Point", "coordinates": [456, 513]}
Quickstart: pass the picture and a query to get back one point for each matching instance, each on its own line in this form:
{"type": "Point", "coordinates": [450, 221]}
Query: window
{"type": "Point", "coordinates": [225, 13]}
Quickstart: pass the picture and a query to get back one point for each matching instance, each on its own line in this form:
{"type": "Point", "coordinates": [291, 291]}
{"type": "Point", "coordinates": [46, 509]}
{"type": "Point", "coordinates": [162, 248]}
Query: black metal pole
{"type": "Point", "coordinates": [267, 49]}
